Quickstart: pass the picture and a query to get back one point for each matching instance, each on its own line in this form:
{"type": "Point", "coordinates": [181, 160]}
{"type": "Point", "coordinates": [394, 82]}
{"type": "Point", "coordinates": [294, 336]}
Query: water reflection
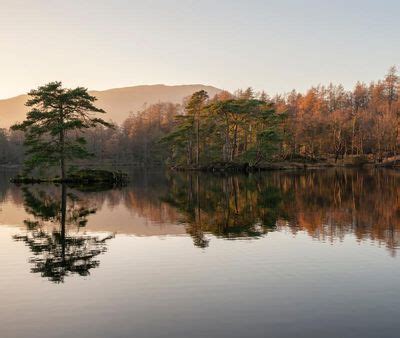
{"type": "Point", "coordinates": [53, 235]}
{"type": "Point", "coordinates": [267, 256]}
{"type": "Point", "coordinates": [226, 206]}
{"type": "Point", "coordinates": [327, 205]}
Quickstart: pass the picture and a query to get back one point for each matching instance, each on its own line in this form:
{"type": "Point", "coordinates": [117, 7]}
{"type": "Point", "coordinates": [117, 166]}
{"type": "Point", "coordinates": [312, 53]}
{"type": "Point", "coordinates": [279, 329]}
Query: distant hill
{"type": "Point", "coordinates": [118, 102]}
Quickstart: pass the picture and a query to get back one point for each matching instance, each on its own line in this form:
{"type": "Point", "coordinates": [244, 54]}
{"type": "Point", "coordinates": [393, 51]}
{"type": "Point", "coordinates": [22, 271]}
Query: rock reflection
{"type": "Point", "coordinates": [54, 237]}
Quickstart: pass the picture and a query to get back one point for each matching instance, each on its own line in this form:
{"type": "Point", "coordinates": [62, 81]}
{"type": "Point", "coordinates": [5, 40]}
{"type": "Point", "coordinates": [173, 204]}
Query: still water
{"type": "Point", "coordinates": [300, 254]}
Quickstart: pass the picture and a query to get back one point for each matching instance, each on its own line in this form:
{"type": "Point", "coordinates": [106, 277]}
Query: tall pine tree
{"type": "Point", "coordinates": [53, 125]}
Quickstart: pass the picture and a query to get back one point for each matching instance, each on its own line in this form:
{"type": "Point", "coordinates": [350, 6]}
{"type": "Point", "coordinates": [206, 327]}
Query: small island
{"type": "Point", "coordinates": [82, 176]}
{"type": "Point", "coordinates": [54, 136]}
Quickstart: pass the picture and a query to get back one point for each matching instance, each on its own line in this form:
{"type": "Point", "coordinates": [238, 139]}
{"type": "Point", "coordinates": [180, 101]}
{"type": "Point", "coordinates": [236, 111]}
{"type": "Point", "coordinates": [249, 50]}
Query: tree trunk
{"type": "Point", "coordinates": [233, 150]}
{"type": "Point", "coordinates": [62, 144]}
{"type": "Point", "coordinates": [227, 142]}
{"type": "Point", "coordinates": [197, 141]}
{"type": "Point", "coordinates": [353, 135]}
{"type": "Point", "coordinates": [62, 154]}
{"type": "Point", "coordinates": [198, 199]}
{"type": "Point", "coordinates": [189, 153]}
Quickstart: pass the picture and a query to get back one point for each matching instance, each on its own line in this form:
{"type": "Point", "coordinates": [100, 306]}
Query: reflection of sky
{"type": "Point", "coordinates": [118, 219]}
{"type": "Point", "coordinates": [152, 287]}
{"type": "Point", "coordinates": [271, 45]}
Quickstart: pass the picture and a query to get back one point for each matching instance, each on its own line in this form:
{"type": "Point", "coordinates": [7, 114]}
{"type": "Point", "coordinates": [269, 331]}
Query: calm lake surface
{"type": "Point", "coordinates": [300, 254]}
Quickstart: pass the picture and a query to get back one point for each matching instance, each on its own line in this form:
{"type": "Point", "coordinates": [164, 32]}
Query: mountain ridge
{"type": "Point", "coordinates": [117, 102]}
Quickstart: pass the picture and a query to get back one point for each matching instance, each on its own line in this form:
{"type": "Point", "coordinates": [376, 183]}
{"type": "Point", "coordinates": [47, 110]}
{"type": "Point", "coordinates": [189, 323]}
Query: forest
{"type": "Point", "coordinates": [326, 123]}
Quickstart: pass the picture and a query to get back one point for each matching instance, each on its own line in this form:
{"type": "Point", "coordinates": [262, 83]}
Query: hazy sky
{"type": "Point", "coordinates": [272, 45]}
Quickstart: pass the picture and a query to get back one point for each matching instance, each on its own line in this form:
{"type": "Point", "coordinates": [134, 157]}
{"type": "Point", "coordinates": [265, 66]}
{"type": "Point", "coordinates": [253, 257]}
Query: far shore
{"type": "Point", "coordinates": [353, 162]}
{"type": "Point", "coordinates": [350, 162]}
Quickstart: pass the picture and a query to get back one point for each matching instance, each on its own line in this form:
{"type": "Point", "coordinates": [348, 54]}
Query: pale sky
{"type": "Point", "coordinates": [273, 45]}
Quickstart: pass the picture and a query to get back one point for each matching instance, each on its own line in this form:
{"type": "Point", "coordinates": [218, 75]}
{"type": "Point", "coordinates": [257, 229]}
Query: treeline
{"type": "Point", "coordinates": [330, 121]}
{"type": "Point", "coordinates": [11, 146]}
{"type": "Point", "coordinates": [326, 122]}
{"type": "Point", "coordinates": [136, 141]}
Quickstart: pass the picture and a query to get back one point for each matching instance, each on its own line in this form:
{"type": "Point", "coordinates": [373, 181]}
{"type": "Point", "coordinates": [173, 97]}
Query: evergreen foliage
{"type": "Point", "coordinates": [53, 125]}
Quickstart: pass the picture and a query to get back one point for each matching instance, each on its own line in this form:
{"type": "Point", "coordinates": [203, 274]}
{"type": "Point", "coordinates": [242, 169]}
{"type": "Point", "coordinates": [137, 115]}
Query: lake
{"type": "Point", "coordinates": [278, 254]}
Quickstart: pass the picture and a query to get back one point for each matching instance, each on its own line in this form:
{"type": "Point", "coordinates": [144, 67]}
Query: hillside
{"type": "Point", "coordinates": [118, 102]}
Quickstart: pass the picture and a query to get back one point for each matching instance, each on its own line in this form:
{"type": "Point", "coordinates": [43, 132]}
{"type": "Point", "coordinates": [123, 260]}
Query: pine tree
{"type": "Point", "coordinates": [53, 125]}
{"type": "Point", "coordinates": [194, 107]}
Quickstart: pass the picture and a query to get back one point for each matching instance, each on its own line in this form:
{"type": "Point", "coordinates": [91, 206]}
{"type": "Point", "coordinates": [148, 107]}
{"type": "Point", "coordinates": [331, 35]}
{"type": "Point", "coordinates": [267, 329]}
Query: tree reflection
{"type": "Point", "coordinates": [326, 205]}
{"type": "Point", "coordinates": [58, 252]}
{"type": "Point", "coordinates": [229, 206]}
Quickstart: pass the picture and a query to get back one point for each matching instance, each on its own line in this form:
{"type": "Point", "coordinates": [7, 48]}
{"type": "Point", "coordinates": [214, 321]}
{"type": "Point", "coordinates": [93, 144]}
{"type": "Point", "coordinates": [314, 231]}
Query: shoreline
{"type": "Point", "coordinates": [212, 167]}
{"type": "Point", "coordinates": [278, 166]}
{"type": "Point", "coordinates": [84, 177]}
